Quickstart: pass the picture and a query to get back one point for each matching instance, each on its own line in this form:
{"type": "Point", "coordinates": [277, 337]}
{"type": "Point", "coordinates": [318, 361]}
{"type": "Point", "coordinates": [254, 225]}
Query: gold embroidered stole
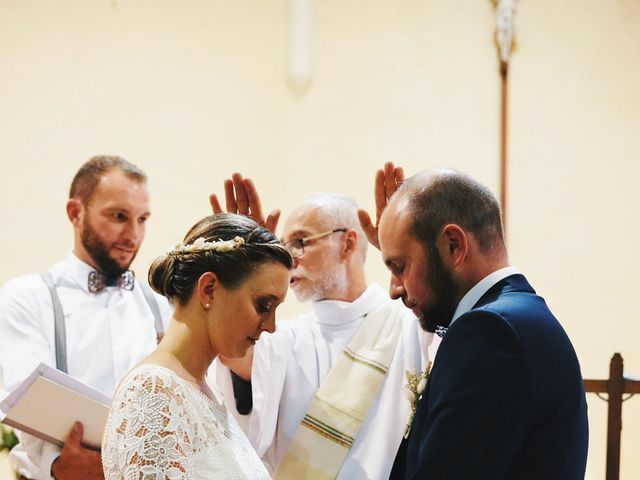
{"type": "Point", "coordinates": [342, 402]}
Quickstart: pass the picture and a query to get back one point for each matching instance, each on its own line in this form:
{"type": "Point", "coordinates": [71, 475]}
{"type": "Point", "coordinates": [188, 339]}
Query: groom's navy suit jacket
{"type": "Point", "coordinates": [505, 398]}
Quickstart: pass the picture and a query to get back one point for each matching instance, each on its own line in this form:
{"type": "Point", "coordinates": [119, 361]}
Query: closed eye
{"type": "Point", "coordinates": [264, 307]}
{"type": "Point", "coordinates": [395, 269]}
{"type": "Point", "coordinates": [267, 303]}
{"type": "Point", "coordinates": [298, 242]}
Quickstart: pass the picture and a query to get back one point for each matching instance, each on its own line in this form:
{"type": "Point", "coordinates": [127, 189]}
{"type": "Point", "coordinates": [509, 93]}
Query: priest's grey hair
{"type": "Point", "coordinates": [337, 210]}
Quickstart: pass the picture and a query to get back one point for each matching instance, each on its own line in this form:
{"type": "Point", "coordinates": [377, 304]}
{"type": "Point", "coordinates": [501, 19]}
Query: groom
{"type": "Point", "coordinates": [505, 397]}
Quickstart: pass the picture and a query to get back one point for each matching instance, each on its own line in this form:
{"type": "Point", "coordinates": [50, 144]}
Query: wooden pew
{"type": "Point", "coordinates": [616, 387]}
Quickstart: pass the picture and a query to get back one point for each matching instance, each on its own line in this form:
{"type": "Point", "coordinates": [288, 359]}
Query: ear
{"type": "Point", "coordinates": [207, 283]}
{"type": "Point", "coordinates": [74, 210]}
{"type": "Point", "coordinates": [453, 244]}
{"type": "Point", "coordinates": [350, 243]}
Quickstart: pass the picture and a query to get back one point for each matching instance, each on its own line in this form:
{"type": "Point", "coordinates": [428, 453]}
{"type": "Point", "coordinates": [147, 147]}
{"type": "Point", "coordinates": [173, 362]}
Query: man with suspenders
{"type": "Point", "coordinates": [88, 315]}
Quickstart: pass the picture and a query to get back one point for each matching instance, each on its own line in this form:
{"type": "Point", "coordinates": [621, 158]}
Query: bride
{"type": "Point", "coordinates": [225, 280]}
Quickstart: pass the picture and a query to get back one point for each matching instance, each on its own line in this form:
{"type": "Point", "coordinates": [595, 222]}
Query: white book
{"type": "Point", "coordinates": [48, 402]}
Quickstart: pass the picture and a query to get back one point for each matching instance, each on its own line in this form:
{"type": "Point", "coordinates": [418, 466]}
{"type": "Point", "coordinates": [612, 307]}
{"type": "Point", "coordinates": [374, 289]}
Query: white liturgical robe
{"type": "Point", "coordinates": [289, 366]}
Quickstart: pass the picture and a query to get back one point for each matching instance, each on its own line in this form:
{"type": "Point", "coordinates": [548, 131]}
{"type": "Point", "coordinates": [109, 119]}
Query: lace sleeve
{"type": "Point", "coordinates": [148, 432]}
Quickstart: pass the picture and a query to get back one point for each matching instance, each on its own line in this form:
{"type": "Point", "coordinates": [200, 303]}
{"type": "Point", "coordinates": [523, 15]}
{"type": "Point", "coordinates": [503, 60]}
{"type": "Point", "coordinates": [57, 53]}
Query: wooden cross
{"type": "Point", "coordinates": [505, 11]}
{"type": "Point", "coordinates": [616, 386]}
{"type": "Point", "coordinates": [504, 71]}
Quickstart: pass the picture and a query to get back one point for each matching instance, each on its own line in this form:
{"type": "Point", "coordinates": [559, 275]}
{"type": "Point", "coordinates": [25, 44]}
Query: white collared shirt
{"type": "Point", "coordinates": [107, 333]}
{"type": "Point", "coordinates": [479, 289]}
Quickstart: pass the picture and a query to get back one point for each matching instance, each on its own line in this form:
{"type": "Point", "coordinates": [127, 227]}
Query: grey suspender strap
{"type": "Point", "coordinates": [153, 305]}
{"type": "Point", "coordinates": [60, 334]}
{"type": "Point", "coordinates": [59, 327]}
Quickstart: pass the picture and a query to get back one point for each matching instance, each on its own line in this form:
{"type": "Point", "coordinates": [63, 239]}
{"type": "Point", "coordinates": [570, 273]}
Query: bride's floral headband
{"type": "Point", "coordinates": [201, 245]}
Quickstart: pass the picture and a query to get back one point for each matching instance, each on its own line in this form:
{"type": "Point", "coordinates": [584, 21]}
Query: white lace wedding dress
{"type": "Point", "coordinates": [163, 427]}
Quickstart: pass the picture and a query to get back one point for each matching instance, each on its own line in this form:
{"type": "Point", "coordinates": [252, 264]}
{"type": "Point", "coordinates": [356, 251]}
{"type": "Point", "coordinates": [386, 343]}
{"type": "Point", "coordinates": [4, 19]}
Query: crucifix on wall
{"type": "Point", "coordinates": [504, 36]}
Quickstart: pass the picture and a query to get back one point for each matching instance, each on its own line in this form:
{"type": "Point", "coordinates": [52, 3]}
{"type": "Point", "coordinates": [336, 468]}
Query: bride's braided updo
{"type": "Point", "coordinates": [229, 245]}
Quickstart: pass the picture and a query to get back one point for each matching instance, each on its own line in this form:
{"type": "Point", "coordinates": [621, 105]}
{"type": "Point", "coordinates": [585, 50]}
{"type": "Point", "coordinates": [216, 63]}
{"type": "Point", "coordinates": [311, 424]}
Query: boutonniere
{"type": "Point", "coordinates": [413, 389]}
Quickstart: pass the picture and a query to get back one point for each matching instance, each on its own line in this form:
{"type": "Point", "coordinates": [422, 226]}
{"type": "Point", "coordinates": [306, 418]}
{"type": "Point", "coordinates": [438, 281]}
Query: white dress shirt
{"type": "Point", "coordinates": [107, 334]}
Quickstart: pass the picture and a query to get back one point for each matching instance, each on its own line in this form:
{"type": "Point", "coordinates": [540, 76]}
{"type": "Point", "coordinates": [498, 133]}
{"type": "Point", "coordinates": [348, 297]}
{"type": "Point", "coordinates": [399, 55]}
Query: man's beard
{"type": "Point", "coordinates": [444, 290]}
{"type": "Point", "coordinates": [99, 252]}
{"type": "Point", "coordinates": [321, 286]}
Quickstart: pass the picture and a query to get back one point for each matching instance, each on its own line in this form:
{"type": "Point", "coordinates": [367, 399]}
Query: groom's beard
{"type": "Point", "coordinates": [445, 293]}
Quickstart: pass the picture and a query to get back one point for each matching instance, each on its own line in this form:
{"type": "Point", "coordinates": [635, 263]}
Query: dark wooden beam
{"type": "Point", "coordinates": [504, 75]}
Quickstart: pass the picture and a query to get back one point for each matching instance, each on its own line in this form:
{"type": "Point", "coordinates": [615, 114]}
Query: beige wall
{"type": "Point", "coordinates": [194, 90]}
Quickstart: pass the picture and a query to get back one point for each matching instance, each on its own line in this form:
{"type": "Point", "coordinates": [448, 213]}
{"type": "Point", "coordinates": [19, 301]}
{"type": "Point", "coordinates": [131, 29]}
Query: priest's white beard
{"type": "Point", "coordinates": [326, 284]}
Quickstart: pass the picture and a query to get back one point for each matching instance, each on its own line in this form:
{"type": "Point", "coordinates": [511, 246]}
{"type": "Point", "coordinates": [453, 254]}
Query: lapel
{"type": "Point", "coordinates": [510, 284]}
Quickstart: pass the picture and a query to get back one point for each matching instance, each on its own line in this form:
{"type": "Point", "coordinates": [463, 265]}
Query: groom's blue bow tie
{"type": "Point", "coordinates": [98, 281]}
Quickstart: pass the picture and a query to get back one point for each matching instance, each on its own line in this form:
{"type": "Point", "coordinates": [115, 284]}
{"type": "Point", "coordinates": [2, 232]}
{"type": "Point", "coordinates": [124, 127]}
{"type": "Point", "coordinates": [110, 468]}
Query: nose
{"type": "Point", "coordinates": [134, 232]}
{"type": "Point", "coordinates": [269, 323]}
{"type": "Point", "coordinates": [396, 288]}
